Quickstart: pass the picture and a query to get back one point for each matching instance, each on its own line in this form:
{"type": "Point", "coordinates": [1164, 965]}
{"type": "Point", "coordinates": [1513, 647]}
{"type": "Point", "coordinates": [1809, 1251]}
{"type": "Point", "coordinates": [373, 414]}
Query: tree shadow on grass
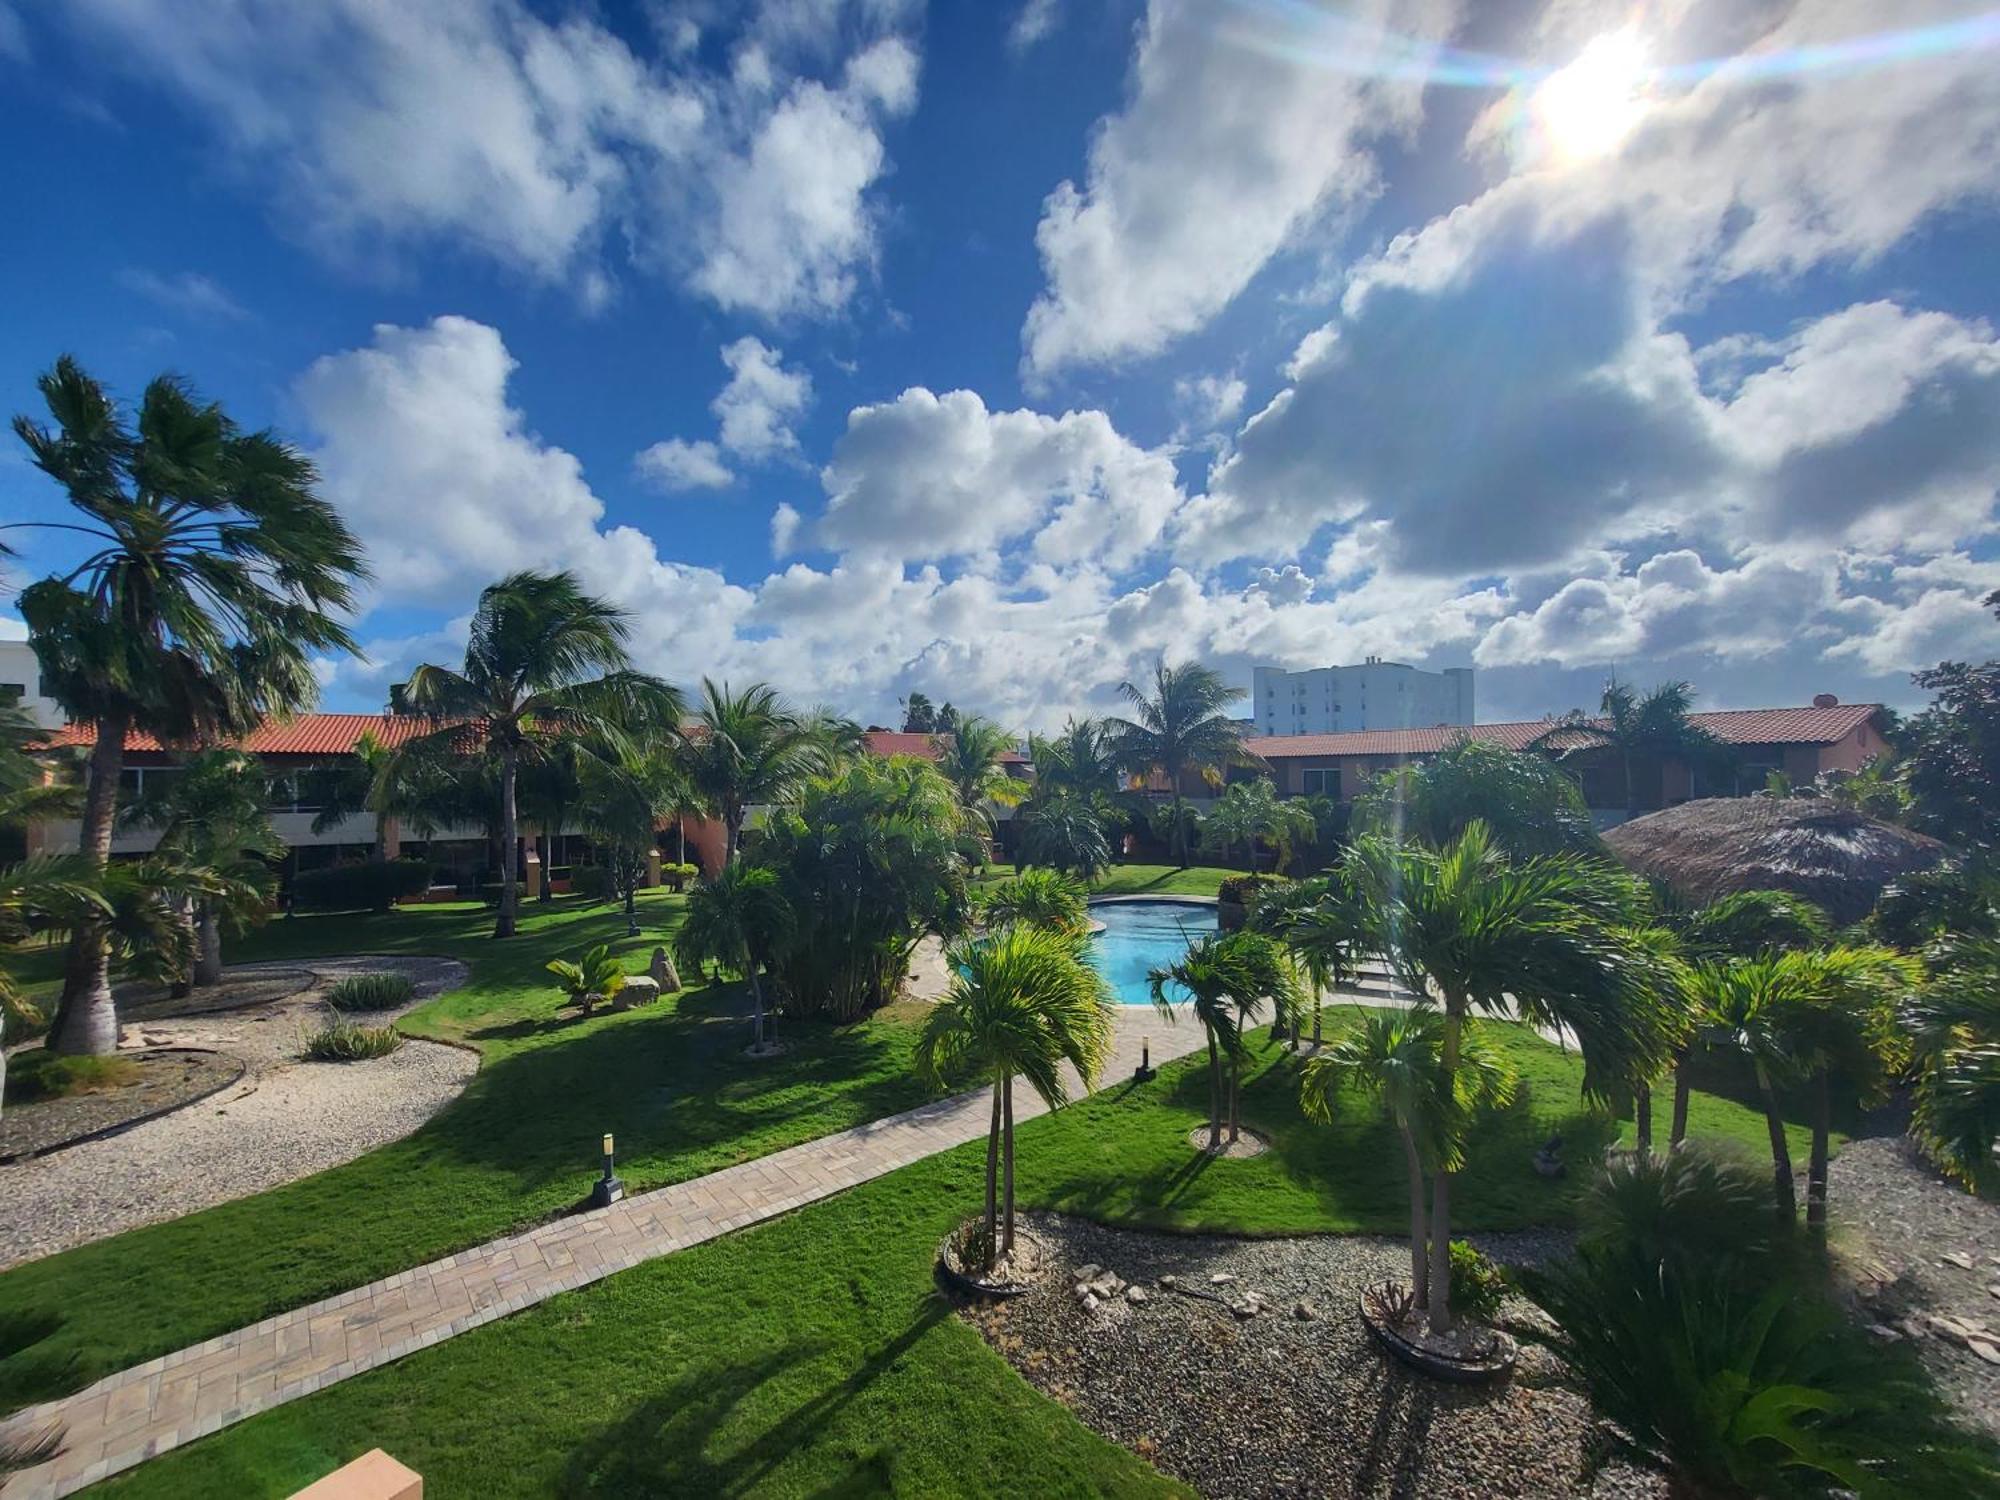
{"type": "Point", "coordinates": [668, 1444]}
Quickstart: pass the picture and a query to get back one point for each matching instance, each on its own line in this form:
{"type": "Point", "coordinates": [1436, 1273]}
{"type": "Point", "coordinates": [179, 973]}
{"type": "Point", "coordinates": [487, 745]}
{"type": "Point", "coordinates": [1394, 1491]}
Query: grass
{"type": "Point", "coordinates": [519, 1146]}
{"type": "Point", "coordinates": [1135, 880]}
{"type": "Point", "coordinates": [36, 1075]}
{"type": "Point", "coordinates": [812, 1356]}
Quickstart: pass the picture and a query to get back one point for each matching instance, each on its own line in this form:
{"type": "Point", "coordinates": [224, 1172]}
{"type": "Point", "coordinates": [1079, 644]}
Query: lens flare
{"type": "Point", "coordinates": [1586, 110]}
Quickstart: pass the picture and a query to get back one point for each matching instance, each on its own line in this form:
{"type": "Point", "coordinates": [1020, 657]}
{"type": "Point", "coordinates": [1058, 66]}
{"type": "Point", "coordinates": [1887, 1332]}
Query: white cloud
{"type": "Point", "coordinates": [928, 476]}
{"type": "Point", "coordinates": [539, 145]}
{"type": "Point", "coordinates": [756, 409]}
{"type": "Point", "coordinates": [1229, 147]}
{"type": "Point", "coordinates": [187, 292]}
{"type": "Point", "coordinates": [675, 464]}
{"type": "Point", "coordinates": [785, 522]}
{"type": "Point", "coordinates": [1033, 21]}
{"type": "Point", "coordinates": [1210, 401]}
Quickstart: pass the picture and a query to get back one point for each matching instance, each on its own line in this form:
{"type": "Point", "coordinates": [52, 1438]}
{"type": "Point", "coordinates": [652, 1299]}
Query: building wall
{"type": "Point", "coordinates": [1371, 695]}
{"type": "Point", "coordinates": [21, 678]}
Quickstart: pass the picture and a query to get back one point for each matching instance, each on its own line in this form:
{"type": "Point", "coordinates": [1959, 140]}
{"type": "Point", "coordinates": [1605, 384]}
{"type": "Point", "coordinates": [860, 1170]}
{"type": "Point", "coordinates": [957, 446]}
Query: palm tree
{"type": "Point", "coordinates": [374, 780]}
{"type": "Point", "coordinates": [1737, 1001]}
{"type": "Point", "coordinates": [1649, 728]}
{"type": "Point", "coordinates": [1249, 811]}
{"type": "Point", "coordinates": [217, 576]}
{"type": "Point", "coordinates": [1041, 898]}
{"type": "Point", "coordinates": [545, 661]}
{"type": "Point", "coordinates": [547, 793]}
{"type": "Point", "coordinates": [1529, 805]}
{"type": "Point", "coordinates": [215, 812]}
{"type": "Point", "coordinates": [1062, 830]}
{"type": "Point", "coordinates": [622, 791]}
{"type": "Point", "coordinates": [1953, 1025]}
{"type": "Point", "coordinates": [739, 919]}
{"type": "Point", "coordinates": [1226, 980]}
{"type": "Point", "coordinates": [46, 891]}
{"type": "Point", "coordinates": [1082, 758]}
{"type": "Point", "coordinates": [1181, 726]}
{"type": "Point", "coordinates": [1397, 1057]}
{"type": "Point", "coordinates": [1540, 937]}
{"type": "Point", "coordinates": [1022, 1000]}
{"type": "Point", "coordinates": [1325, 923]}
{"type": "Point", "coordinates": [970, 761]}
{"type": "Point", "coordinates": [749, 747]}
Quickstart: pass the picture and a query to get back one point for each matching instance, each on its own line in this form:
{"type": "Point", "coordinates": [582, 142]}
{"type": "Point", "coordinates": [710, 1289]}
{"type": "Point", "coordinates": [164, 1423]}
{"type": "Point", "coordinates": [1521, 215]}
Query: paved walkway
{"type": "Point", "coordinates": [151, 1408]}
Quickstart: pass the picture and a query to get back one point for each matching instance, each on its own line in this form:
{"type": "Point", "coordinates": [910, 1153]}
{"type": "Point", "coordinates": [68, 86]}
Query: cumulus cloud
{"type": "Point", "coordinates": [754, 412]}
{"type": "Point", "coordinates": [529, 142]}
{"type": "Point", "coordinates": [1033, 21]}
{"type": "Point", "coordinates": [1227, 149]}
{"type": "Point", "coordinates": [676, 464]}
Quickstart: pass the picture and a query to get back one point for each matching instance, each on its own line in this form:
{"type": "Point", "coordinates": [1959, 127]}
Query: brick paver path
{"type": "Point", "coordinates": [129, 1417]}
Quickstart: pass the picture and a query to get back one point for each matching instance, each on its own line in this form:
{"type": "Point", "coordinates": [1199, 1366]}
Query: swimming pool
{"type": "Point", "coordinates": [1140, 936]}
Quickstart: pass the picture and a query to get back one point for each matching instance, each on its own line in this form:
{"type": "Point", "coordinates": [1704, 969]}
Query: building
{"type": "Point", "coordinates": [21, 682]}
{"type": "Point", "coordinates": [1801, 742]}
{"type": "Point", "coordinates": [1376, 694]}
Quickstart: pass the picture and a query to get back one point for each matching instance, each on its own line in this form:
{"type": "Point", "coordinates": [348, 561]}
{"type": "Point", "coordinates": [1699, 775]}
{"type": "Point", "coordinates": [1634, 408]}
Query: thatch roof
{"type": "Point", "coordinates": [1827, 853]}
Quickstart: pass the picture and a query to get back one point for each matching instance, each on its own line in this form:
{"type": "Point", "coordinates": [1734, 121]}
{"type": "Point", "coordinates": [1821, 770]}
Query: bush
{"type": "Point", "coordinates": [344, 1041]}
{"type": "Point", "coordinates": [1042, 898]}
{"type": "Point", "coordinates": [592, 882]}
{"type": "Point", "coordinates": [599, 976]}
{"type": "Point", "coordinates": [676, 877]}
{"type": "Point", "coordinates": [371, 992]}
{"type": "Point", "coordinates": [37, 1074]}
{"type": "Point", "coordinates": [374, 886]}
{"type": "Point", "coordinates": [1477, 1285]}
{"type": "Point", "coordinates": [1242, 890]}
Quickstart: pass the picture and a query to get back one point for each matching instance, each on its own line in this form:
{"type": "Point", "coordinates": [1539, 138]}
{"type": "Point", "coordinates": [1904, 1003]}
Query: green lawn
{"type": "Point", "coordinates": [1132, 880]}
{"type": "Point", "coordinates": [519, 1146]}
{"type": "Point", "coordinates": [812, 1355]}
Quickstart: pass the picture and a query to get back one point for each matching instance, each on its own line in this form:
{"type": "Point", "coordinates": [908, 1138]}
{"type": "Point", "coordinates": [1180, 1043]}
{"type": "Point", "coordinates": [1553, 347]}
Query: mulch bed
{"type": "Point", "coordinates": [251, 985]}
{"type": "Point", "coordinates": [167, 1079]}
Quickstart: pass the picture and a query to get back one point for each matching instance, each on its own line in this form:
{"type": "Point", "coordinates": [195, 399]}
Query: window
{"type": "Point", "coordinates": [12, 692]}
{"type": "Point", "coordinates": [1320, 781]}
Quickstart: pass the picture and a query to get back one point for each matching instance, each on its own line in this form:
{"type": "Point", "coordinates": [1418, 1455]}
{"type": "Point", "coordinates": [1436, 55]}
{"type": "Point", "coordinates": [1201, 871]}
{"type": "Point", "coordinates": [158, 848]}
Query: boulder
{"type": "Point", "coordinates": [638, 990]}
{"type": "Point", "coordinates": [665, 976]}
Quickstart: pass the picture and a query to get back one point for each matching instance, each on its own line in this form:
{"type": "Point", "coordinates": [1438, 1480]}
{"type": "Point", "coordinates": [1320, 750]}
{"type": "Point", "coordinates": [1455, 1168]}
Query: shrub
{"type": "Point", "coordinates": [598, 976]}
{"type": "Point", "coordinates": [1477, 1285]}
{"type": "Point", "coordinates": [1042, 898]}
{"type": "Point", "coordinates": [1242, 890]}
{"type": "Point", "coordinates": [344, 1041]}
{"type": "Point", "coordinates": [592, 882]}
{"type": "Point", "coordinates": [37, 1074]}
{"type": "Point", "coordinates": [371, 992]}
{"type": "Point", "coordinates": [374, 886]}
{"type": "Point", "coordinates": [676, 877]}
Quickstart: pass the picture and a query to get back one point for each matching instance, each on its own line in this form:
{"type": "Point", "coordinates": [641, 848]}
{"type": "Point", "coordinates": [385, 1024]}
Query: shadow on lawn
{"type": "Point", "coordinates": [674, 1443]}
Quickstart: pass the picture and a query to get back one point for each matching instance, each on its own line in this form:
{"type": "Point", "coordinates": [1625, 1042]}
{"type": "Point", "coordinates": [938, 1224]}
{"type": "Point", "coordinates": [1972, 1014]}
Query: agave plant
{"type": "Point", "coordinates": [597, 976]}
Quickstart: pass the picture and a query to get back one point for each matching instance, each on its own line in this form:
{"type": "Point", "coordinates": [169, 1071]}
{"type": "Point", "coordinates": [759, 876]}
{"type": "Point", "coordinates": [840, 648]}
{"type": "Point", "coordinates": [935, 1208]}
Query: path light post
{"type": "Point", "coordinates": [607, 1190]}
{"type": "Point", "coordinates": [1145, 1071]}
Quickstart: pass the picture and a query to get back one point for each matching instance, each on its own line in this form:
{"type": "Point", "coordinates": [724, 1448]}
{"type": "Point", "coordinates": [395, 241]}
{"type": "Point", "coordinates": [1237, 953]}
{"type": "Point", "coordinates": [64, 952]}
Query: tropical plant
{"type": "Point", "coordinates": [740, 920]}
{"type": "Point", "coordinates": [1082, 758]}
{"type": "Point", "coordinates": [869, 861]}
{"type": "Point", "coordinates": [1040, 898]}
{"type": "Point", "coordinates": [214, 812]}
{"type": "Point", "coordinates": [547, 794]}
{"type": "Point", "coordinates": [623, 792]}
{"type": "Point", "coordinates": [971, 761]}
{"type": "Point", "coordinates": [217, 576]}
{"type": "Point", "coordinates": [596, 976]}
{"type": "Point", "coordinates": [1180, 725]}
{"type": "Point", "coordinates": [1251, 812]}
{"type": "Point", "coordinates": [1063, 830]}
{"type": "Point", "coordinates": [1743, 924]}
{"type": "Point", "coordinates": [749, 747]}
{"type": "Point", "coordinates": [1733, 1379]}
{"type": "Point", "coordinates": [1543, 938]}
{"type": "Point", "coordinates": [1955, 900]}
{"type": "Point", "coordinates": [49, 891]}
{"type": "Point", "coordinates": [371, 992]}
{"type": "Point", "coordinates": [1023, 1001]}
{"type": "Point", "coordinates": [1227, 981]}
{"type": "Point", "coordinates": [1951, 752]}
{"type": "Point", "coordinates": [1397, 1058]}
{"type": "Point", "coordinates": [1953, 1026]}
{"type": "Point", "coordinates": [1530, 805]}
{"type": "Point", "coordinates": [345, 1041]}
{"type": "Point", "coordinates": [1478, 1286]}
{"type": "Point", "coordinates": [1648, 729]}
{"type": "Point", "coordinates": [545, 662]}
{"type": "Point", "coordinates": [1325, 923]}
{"type": "Point", "coordinates": [376, 781]}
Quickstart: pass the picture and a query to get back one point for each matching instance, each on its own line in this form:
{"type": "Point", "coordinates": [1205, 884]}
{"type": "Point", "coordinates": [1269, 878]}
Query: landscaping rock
{"type": "Point", "coordinates": [638, 990]}
{"type": "Point", "coordinates": [663, 972]}
{"type": "Point", "coordinates": [1304, 1310]}
{"type": "Point", "coordinates": [1089, 1271]}
{"type": "Point", "coordinates": [1136, 1295]}
{"type": "Point", "coordinates": [1957, 1258]}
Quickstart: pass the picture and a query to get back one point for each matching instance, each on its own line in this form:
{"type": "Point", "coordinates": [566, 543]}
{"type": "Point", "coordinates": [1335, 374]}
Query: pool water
{"type": "Point", "coordinates": [1140, 936]}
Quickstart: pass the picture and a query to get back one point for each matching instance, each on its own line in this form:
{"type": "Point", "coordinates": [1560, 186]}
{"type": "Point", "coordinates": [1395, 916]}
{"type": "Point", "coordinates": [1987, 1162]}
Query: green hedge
{"type": "Point", "coordinates": [362, 887]}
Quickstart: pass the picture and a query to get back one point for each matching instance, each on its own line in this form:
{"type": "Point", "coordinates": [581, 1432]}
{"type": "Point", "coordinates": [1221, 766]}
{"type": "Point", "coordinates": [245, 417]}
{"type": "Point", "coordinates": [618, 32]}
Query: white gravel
{"type": "Point", "coordinates": [285, 1119]}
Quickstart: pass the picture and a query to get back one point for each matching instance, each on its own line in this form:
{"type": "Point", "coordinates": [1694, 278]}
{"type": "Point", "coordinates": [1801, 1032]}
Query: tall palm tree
{"type": "Point", "coordinates": [740, 919]}
{"type": "Point", "coordinates": [545, 661]}
{"type": "Point", "coordinates": [1648, 728]}
{"type": "Point", "coordinates": [1180, 725]}
{"type": "Point", "coordinates": [1326, 924]}
{"type": "Point", "coordinates": [215, 812]}
{"type": "Point", "coordinates": [1397, 1057]}
{"type": "Point", "coordinates": [1529, 805]}
{"type": "Point", "coordinates": [623, 789]}
{"type": "Point", "coordinates": [374, 780]}
{"type": "Point", "coordinates": [1022, 1001]}
{"type": "Point", "coordinates": [214, 578]}
{"type": "Point", "coordinates": [747, 747]}
{"type": "Point", "coordinates": [1542, 938]}
{"type": "Point", "coordinates": [1082, 758]}
{"type": "Point", "coordinates": [1738, 1001]}
{"type": "Point", "coordinates": [1226, 981]}
{"type": "Point", "coordinates": [970, 761]}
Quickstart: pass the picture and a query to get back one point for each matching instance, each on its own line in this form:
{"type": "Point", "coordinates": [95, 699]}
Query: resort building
{"type": "Point", "coordinates": [21, 683]}
{"type": "Point", "coordinates": [1376, 694]}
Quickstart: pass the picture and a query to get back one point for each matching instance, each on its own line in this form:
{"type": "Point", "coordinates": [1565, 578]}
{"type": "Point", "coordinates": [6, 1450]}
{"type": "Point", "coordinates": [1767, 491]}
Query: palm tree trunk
{"type": "Point", "coordinates": [1420, 1266]}
{"type": "Point", "coordinates": [631, 906]}
{"type": "Point", "coordinates": [756, 1001]}
{"type": "Point", "coordinates": [1631, 795]}
{"type": "Point", "coordinates": [545, 848]}
{"type": "Point", "coordinates": [1440, 1285]}
{"type": "Point", "coordinates": [1317, 1038]}
{"type": "Point", "coordinates": [1235, 1097]}
{"type": "Point", "coordinates": [1214, 1095]}
{"type": "Point", "coordinates": [1642, 1119]}
{"type": "Point", "coordinates": [1781, 1150]}
{"type": "Point", "coordinates": [208, 947]}
{"type": "Point", "coordinates": [1007, 1167]}
{"type": "Point", "coordinates": [1822, 1129]}
{"type": "Point", "coordinates": [1682, 1086]}
{"type": "Point", "coordinates": [86, 1019]}
{"type": "Point", "coordinates": [509, 847]}
{"type": "Point", "coordinates": [993, 1179]}
{"type": "Point", "coordinates": [1180, 824]}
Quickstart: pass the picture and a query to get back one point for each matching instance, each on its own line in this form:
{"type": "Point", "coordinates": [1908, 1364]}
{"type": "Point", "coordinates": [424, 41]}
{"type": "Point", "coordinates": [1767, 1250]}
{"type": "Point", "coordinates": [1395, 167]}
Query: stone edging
{"type": "Point", "coordinates": [105, 1132]}
{"type": "Point", "coordinates": [1438, 1366]}
{"type": "Point", "coordinates": [1134, 897]}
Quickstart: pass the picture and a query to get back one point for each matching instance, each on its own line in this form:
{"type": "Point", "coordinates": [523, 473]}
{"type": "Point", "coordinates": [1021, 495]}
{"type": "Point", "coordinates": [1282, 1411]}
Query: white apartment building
{"type": "Point", "coordinates": [21, 682]}
{"type": "Point", "coordinates": [1376, 694]}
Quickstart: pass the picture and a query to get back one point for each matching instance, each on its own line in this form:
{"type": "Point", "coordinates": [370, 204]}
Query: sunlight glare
{"type": "Point", "coordinates": [1587, 109]}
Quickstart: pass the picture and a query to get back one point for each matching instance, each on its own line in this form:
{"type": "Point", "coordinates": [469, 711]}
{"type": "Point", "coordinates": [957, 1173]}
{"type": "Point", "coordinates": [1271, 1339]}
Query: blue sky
{"type": "Point", "coordinates": [990, 350]}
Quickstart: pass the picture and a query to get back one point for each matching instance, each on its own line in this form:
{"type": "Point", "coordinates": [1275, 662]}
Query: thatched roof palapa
{"type": "Point", "coordinates": [1830, 854]}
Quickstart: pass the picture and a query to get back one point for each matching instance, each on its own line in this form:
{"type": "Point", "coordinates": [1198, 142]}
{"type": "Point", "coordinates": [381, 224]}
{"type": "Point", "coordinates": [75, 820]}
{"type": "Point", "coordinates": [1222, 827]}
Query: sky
{"type": "Point", "coordinates": [992, 350]}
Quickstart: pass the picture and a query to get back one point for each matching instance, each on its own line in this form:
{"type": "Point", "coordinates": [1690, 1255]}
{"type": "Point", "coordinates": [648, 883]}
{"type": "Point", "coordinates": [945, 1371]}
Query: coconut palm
{"type": "Point", "coordinates": [1081, 758]}
{"type": "Point", "coordinates": [1041, 898]}
{"type": "Point", "coordinates": [1953, 1025]}
{"type": "Point", "coordinates": [1650, 728]}
{"type": "Point", "coordinates": [1179, 725]}
{"type": "Point", "coordinates": [1396, 1057]}
{"type": "Point", "coordinates": [1226, 981]}
{"type": "Point", "coordinates": [739, 920]}
{"type": "Point", "coordinates": [1063, 830]}
{"type": "Point", "coordinates": [1541, 937]}
{"type": "Point", "coordinates": [1248, 812]}
{"type": "Point", "coordinates": [376, 781]}
{"type": "Point", "coordinates": [216, 575]}
{"type": "Point", "coordinates": [1529, 805]}
{"type": "Point", "coordinates": [623, 789]}
{"type": "Point", "coordinates": [215, 812]}
{"type": "Point", "coordinates": [1022, 1001]}
{"type": "Point", "coordinates": [749, 747]}
{"type": "Point", "coordinates": [545, 661]}
{"type": "Point", "coordinates": [970, 761]}
{"type": "Point", "coordinates": [1325, 923]}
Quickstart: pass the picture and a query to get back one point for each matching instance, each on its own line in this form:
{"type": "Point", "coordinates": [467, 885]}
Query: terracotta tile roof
{"type": "Point", "coordinates": [887, 742]}
{"type": "Point", "coordinates": [1741, 726]}
{"type": "Point", "coordinates": [308, 734]}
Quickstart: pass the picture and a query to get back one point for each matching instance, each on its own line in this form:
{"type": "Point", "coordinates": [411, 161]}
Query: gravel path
{"type": "Point", "coordinates": [1921, 1250]}
{"type": "Point", "coordinates": [1279, 1405]}
{"type": "Point", "coordinates": [284, 1120]}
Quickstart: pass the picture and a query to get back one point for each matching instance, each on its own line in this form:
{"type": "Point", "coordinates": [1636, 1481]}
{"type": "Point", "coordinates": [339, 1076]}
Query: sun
{"type": "Point", "coordinates": [1587, 109]}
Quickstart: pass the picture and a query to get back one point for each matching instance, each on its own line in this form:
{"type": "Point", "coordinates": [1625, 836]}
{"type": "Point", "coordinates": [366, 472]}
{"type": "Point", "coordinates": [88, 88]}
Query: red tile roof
{"type": "Point", "coordinates": [1740, 726]}
{"type": "Point", "coordinates": [887, 742]}
{"type": "Point", "coordinates": [308, 734]}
